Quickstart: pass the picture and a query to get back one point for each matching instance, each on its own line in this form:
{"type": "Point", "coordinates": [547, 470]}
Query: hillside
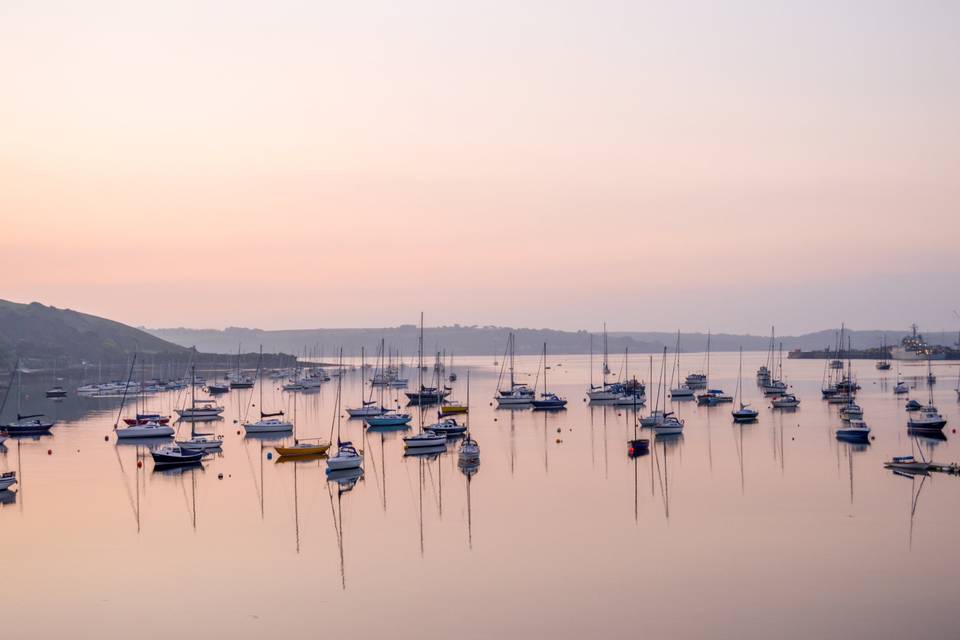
{"type": "Point", "coordinates": [39, 334]}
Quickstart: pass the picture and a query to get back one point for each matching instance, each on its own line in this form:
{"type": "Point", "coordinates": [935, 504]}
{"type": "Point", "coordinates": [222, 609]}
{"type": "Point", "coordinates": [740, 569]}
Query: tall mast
{"type": "Point", "coordinates": [544, 368]}
{"type": "Point", "coordinates": [606, 367]}
{"type": "Point", "coordinates": [511, 339]}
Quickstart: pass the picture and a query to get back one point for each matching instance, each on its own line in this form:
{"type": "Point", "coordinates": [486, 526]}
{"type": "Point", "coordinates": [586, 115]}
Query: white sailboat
{"type": "Point", "coordinates": [683, 391]}
{"type": "Point", "coordinates": [605, 391]}
{"type": "Point", "coordinates": [268, 422]}
{"type": "Point", "coordinates": [517, 394]}
{"type": "Point", "coordinates": [347, 455]}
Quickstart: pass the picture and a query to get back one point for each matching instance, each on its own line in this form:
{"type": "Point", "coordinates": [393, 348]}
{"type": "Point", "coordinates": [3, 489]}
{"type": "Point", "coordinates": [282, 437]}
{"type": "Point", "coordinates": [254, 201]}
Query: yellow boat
{"type": "Point", "coordinates": [452, 409]}
{"type": "Point", "coordinates": [303, 449]}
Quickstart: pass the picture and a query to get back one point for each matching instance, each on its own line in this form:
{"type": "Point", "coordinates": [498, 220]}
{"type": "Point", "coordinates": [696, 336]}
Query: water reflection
{"type": "Point", "coordinates": [523, 516]}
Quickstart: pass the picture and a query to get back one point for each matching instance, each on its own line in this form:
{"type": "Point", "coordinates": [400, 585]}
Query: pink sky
{"type": "Point", "coordinates": [538, 164]}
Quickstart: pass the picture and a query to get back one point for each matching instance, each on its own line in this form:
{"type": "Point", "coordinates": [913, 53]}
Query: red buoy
{"type": "Point", "coordinates": [49, 452]}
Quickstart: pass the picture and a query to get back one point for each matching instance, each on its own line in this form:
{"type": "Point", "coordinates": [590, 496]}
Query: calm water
{"type": "Point", "coordinates": [767, 530]}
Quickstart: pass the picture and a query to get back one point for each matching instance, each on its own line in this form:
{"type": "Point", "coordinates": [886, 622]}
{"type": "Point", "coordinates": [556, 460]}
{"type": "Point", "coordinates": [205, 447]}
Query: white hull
{"type": "Point", "coordinates": [506, 401]}
{"type": "Point", "coordinates": [682, 392]}
{"type": "Point", "coordinates": [630, 401]}
{"type": "Point", "coordinates": [364, 412]}
{"type": "Point", "coordinates": [268, 427]}
{"type": "Point", "coordinates": [145, 431]}
{"type": "Point", "coordinates": [602, 394]}
{"type": "Point", "coordinates": [425, 440]}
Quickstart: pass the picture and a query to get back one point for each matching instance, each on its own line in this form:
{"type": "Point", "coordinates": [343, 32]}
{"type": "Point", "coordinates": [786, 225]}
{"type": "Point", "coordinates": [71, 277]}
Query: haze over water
{"type": "Point", "coordinates": [773, 529]}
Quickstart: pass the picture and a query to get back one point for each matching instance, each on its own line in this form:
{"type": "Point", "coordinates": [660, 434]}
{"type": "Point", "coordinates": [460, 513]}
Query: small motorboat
{"type": "Point", "coordinates": [856, 431]}
{"type": "Point", "coordinates": [34, 424]}
{"type": "Point", "coordinates": [638, 447]}
{"type": "Point", "coordinates": [446, 427]}
{"type": "Point", "coordinates": [469, 450]}
{"type": "Point", "coordinates": [549, 402]}
{"type": "Point", "coordinates": [927, 418]}
{"type": "Point", "coordinates": [56, 392]}
{"type": "Point", "coordinates": [173, 454]}
{"type": "Point", "coordinates": [301, 448]}
{"type": "Point", "coordinates": [7, 479]}
{"type": "Point", "coordinates": [851, 411]}
{"type": "Point", "coordinates": [389, 419]}
{"type": "Point", "coordinates": [144, 418]}
{"type": "Point", "coordinates": [201, 443]}
{"type": "Point", "coordinates": [148, 430]}
{"type": "Point", "coordinates": [902, 387]}
{"type": "Point", "coordinates": [744, 414]}
{"type": "Point", "coordinates": [786, 401]}
{"type": "Point", "coordinates": [908, 464]}
{"type": "Point", "coordinates": [347, 457]}
{"type": "Point", "coordinates": [913, 405]}
{"type": "Point", "coordinates": [426, 439]}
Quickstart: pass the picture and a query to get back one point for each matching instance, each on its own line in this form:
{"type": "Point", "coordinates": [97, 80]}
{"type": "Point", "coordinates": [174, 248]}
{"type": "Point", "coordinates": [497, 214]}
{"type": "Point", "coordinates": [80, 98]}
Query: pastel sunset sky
{"type": "Point", "coordinates": [283, 164]}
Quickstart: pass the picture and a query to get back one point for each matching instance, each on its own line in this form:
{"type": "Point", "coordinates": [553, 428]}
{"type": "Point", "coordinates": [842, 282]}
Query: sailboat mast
{"type": "Point", "coordinates": [544, 368]}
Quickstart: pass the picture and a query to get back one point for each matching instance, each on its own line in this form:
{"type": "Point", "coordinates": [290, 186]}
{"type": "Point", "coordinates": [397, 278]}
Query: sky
{"type": "Point", "coordinates": [688, 165]}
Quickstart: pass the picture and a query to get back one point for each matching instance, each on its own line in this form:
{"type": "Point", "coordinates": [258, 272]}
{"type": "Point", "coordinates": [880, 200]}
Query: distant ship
{"type": "Point", "coordinates": [914, 347]}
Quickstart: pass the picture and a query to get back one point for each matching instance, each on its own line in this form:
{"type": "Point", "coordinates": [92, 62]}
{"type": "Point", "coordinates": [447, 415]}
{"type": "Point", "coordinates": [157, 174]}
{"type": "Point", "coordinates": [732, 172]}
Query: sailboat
{"type": "Point", "coordinates": [305, 447]}
{"type": "Point", "coordinates": [658, 415]}
{"type": "Point", "coordinates": [548, 401]}
{"type": "Point", "coordinates": [30, 424]}
{"type": "Point", "coordinates": [883, 364]}
{"type": "Point", "coordinates": [744, 414]}
{"type": "Point", "coordinates": [516, 394]}
{"type": "Point", "coordinates": [202, 443]}
{"type": "Point", "coordinates": [56, 391]}
{"type": "Point", "coordinates": [427, 395]}
{"type": "Point", "coordinates": [632, 393]}
{"type": "Point", "coordinates": [241, 381]}
{"type": "Point", "coordinates": [347, 456]}
{"type": "Point", "coordinates": [388, 418]}
{"type": "Point", "coordinates": [423, 439]}
{"type": "Point", "coordinates": [137, 429]}
{"type": "Point", "coordinates": [367, 407]}
{"type": "Point", "coordinates": [7, 480]}
{"type": "Point", "coordinates": [711, 397]}
{"type": "Point", "coordinates": [268, 422]}
{"type": "Point", "coordinates": [469, 452]}
{"type": "Point", "coordinates": [901, 386]}
{"type": "Point", "coordinates": [169, 455]}
{"type": "Point", "coordinates": [605, 391]}
{"type": "Point", "coordinates": [927, 418]}
{"type": "Point", "coordinates": [776, 386]}
{"type": "Point", "coordinates": [684, 391]}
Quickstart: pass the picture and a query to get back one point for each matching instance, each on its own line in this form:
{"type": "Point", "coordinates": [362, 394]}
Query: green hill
{"type": "Point", "coordinates": [40, 333]}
